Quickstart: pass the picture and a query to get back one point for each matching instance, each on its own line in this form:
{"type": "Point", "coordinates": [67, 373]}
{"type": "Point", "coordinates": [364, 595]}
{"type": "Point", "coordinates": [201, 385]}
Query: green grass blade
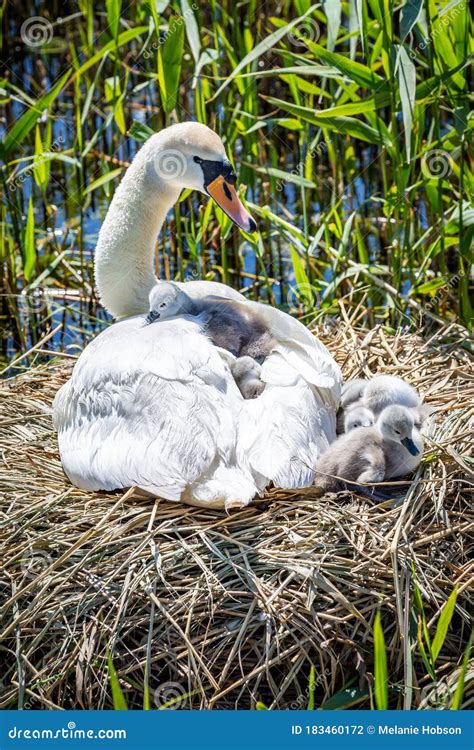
{"type": "Point", "coordinates": [443, 625]}
{"type": "Point", "coordinates": [170, 57]}
{"type": "Point", "coordinates": [192, 29]}
{"type": "Point", "coordinates": [27, 121]}
{"type": "Point", "coordinates": [118, 698]}
{"type": "Point", "coordinates": [123, 38]}
{"type": "Point", "coordinates": [409, 16]}
{"type": "Point", "coordinates": [380, 666]}
{"type": "Point", "coordinates": [263, 47]}
{"type": "Point", "coordinates": [407, 86]}
{"type": "Point", "coordinates": [459, 692]}
{"type": "Point", "coordinates": [332, 8]}
{"type": "Point", "coordinates": [311, 688]}
{"type": "Point", "coordinates": [348, 125]}
{"type": "Point", "coordinates": [113, 15]}
{"type": "Point", "coordinates": [356, 71]}
{"type": "Point", "coordinates": [103, 180]}
{"type": "Point", "coordinates": [29, 247]}
{"type": "Point", "coordinates": [343, 699]}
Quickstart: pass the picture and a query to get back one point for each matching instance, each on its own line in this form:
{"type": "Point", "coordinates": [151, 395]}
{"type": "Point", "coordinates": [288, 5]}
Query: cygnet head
{"type": "Point", "coordinates": [396, 423]}
{"type": "Point", "coordinates": [358, 416]}
{"type": "Point", "coordinates": [166, 300]}
{"type": "Point", "coordinates": [189, 155]}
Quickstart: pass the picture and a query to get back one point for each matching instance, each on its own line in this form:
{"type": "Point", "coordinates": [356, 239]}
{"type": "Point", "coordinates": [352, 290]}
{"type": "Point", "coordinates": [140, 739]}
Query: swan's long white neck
{"type": "Point", "coordinates": [124, 258]}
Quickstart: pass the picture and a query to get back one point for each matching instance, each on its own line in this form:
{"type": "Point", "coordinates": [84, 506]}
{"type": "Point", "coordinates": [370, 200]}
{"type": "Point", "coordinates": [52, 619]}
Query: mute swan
{"type": "Point", "coordinates": [391, 448]}
{"type": "Point", "coordinates": [230, 324]}
{"type": "Point", "coordinates": [156, 406]}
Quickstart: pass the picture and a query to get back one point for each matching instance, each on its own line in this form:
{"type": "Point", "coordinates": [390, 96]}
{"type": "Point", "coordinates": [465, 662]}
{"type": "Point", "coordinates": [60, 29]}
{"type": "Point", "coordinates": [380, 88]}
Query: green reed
{"type": "Point", "coordinates": [350, 131]}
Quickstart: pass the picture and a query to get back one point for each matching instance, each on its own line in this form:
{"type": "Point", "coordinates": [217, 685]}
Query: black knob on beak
{"type": "Point", "coordinates": [228, 172]}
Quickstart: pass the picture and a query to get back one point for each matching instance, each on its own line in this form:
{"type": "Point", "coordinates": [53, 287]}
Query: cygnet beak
{"type": "Point", "coordinates": [410, 446]}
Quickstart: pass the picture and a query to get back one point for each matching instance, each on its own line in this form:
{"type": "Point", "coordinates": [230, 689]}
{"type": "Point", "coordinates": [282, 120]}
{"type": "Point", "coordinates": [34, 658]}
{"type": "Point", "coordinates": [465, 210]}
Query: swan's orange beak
{"type": "Point", "coordinates": [225, 195]}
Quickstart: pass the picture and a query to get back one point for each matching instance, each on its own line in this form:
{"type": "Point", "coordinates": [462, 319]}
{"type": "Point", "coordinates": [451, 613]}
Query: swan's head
{"type": "Point", "coordinates": [358, 416]}
{"type": "Point", "coordinates": [397, 423]}
{"type": "Point", "coordinates": [190, 155]}
{"type": "Point", "coordinates": [166, 300]}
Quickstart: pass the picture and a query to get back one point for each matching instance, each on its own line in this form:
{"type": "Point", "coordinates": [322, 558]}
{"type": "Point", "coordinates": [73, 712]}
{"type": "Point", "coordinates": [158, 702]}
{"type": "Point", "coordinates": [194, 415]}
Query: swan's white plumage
{"type": "Point", "coordinates": [156, 406]}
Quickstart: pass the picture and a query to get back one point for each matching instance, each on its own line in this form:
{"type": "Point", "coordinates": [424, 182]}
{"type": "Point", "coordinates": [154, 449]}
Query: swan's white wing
{"type": "Point", "coordinates": [301, 349]}
{"type": "Point", "coordinates": [283, 432]}
{"type": "Point", "coordinates": [152, 406]}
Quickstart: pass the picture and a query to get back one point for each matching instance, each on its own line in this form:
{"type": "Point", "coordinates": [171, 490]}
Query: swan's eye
{"type": "Point", "coordinates": [398, 432]}
{"type": "Point", "coordinates": [163, 304]}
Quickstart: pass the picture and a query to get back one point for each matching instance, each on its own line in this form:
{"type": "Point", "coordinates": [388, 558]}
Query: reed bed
{"type": "Point", "coordinates": [348, 124]}
{"type": "Point", "coordinates": [273, 605]}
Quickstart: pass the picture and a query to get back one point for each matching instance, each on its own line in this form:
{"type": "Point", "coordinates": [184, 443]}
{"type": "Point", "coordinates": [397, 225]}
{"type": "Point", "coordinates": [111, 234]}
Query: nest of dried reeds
{"type": "Point", "coordinates": [216, 611]}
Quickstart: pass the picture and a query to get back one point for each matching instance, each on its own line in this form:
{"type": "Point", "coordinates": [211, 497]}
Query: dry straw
{"type": "Point", "coordinates": [224, 611]}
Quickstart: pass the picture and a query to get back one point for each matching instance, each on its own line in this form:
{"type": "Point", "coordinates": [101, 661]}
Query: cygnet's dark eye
{"type": "Point", "coordinates": [163, 304]}
{"type": "Point", "coordinates": [398, 432]}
